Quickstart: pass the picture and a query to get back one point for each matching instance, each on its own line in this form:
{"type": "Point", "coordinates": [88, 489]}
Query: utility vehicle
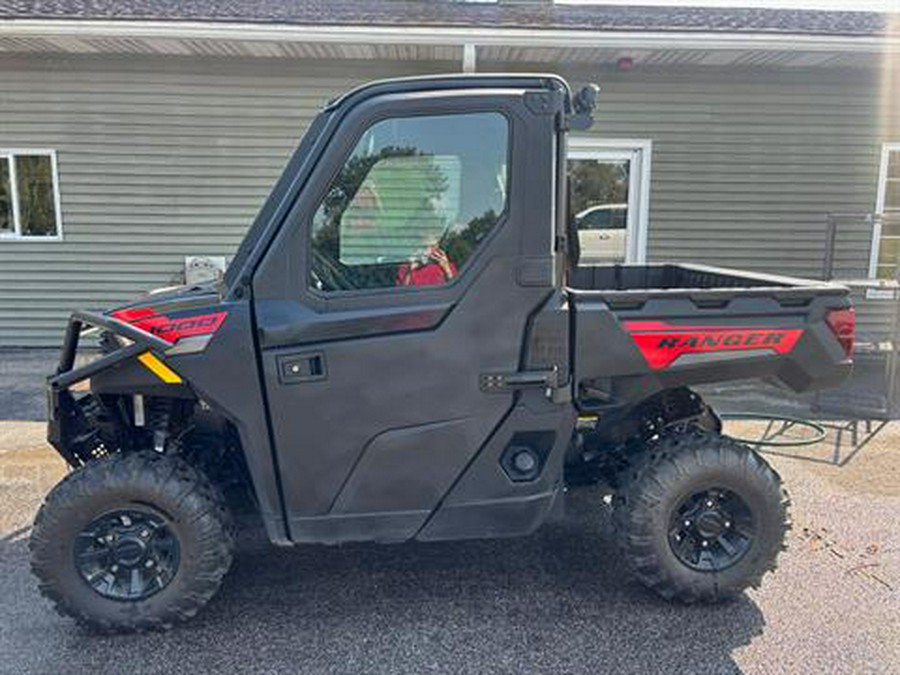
{"type": "Point", "coordinates": [404, 347]}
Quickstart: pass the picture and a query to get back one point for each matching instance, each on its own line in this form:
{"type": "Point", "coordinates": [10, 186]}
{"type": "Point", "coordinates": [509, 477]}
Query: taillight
{"type": "Point", "coordinates": [842, 323]}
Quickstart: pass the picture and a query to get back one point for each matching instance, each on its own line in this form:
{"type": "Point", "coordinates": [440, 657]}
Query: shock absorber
{"type": "Point", "coordinates": [157, 412]}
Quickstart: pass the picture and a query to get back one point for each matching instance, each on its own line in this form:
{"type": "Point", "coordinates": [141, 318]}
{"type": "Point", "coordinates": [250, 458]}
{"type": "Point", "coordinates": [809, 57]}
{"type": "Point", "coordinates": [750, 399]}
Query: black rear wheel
{"type": "Point", "coordinates": [702, 518]}
{"type": "Point", "coordinates": [711, 530]}
{"type": "Point", "coordinates": [132, 542]}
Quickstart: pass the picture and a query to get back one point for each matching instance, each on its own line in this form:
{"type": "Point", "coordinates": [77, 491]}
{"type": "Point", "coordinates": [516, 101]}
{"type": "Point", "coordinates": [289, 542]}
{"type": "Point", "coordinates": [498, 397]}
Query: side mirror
{"type": "Point", "coordinates": [583, 104]}
{"type": "Point", "coordinates": [585, 100]}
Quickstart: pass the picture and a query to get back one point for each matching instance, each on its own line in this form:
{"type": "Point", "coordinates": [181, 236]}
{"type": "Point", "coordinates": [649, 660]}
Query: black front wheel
{"type": "Point", "coordinates": [702, 518]}
{"type": "Point", "coordinates": [128, 554]}
{"type": "Point", "coordinates": [132, 542]}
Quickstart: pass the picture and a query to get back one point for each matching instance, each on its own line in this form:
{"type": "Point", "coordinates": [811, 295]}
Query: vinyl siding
{"type": "Point", "coordinates": [165, 157]}
{"type": "Point", "coordinates": [158, 159]}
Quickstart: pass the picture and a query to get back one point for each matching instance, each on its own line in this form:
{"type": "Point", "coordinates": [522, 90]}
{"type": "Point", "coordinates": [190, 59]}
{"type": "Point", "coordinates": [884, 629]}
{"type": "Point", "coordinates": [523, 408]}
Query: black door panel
{"type": "Point", "coordinates": [402, 469]}
{"type": "Point", "coordinates": [284, 323]}
{"type": "Point", "coordinates": [409, 380]}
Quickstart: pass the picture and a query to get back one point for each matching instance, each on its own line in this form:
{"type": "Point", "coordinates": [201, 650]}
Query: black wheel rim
{"type": "Point", "coordinates": [128, 554]}
{"type": "Point", "coordinates": [711, 530]}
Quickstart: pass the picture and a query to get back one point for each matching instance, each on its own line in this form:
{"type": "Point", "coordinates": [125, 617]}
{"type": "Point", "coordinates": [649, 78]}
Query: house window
{"type": "Point", "coordinates": [29, 195]}
{"type": "Point", "coordinates": [609, 184]}
{"type": "Point", "coordinates": [886, 248]}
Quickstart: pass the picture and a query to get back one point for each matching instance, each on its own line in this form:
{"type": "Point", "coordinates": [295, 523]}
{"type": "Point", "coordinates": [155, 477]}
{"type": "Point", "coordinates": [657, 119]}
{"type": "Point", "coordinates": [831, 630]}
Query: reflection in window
{"type": "Point", "coordinates": [598, 202]}
{"type": "Point", "coordinates": [412, 203]}
{"type": "Point", "coordinates": [27, 197]}
{"type": "Point", "coordinates": [889, 241]}
{"type": "Point", "coordinates": [7, 219]}
{"type": "Point", "coordinates": [37, 209]}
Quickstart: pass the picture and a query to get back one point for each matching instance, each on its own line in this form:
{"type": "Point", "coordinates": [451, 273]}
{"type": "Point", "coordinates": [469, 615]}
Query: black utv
{"type": "Point", "coordinates": [405, 347]}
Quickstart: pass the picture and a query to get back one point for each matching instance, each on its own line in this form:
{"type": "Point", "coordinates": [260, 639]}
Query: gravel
{"type": "Point", "coordinates": [557, 601]}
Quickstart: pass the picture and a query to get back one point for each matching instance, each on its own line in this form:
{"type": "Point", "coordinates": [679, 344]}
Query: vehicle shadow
{"type": "Point", "coordinates": [558, 601]}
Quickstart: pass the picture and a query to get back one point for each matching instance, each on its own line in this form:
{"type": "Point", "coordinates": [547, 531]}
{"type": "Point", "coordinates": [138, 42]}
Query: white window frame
{"type": "Point", "coordinates": [880, 198]}
{"type": "Point", "coordinates": [639, 151]}
{"type": "Point", "coordinates": [8, 155]}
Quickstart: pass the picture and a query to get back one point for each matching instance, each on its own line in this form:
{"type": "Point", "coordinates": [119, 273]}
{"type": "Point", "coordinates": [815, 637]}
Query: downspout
{"type": "Point", "coordinates": [469, 58]}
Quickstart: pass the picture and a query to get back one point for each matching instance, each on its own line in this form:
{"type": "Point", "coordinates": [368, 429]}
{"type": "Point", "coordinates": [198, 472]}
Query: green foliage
{"type": "Point", "coordinates": [593, 182]}
{"type": "Point", "coordinates": [6, 205]}
{"type": "Point", "coordinates": [34, 178]}
{"type": "Point", "coordinates": [460, 245]}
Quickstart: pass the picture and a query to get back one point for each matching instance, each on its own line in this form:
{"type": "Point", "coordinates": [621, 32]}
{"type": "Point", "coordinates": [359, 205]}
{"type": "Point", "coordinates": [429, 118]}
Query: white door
{"type": "Point", "coordinates": [609, 182]}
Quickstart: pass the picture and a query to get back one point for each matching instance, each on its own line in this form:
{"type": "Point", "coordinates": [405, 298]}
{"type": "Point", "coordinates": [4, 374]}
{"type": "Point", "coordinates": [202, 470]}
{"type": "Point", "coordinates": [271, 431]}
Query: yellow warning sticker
{"type": "Point", "coordinates": [158, 368]}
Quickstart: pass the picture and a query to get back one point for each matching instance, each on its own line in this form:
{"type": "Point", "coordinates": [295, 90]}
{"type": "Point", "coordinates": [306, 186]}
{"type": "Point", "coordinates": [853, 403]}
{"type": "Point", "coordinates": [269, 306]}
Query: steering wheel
{"type": "Point", "coordinates": [329, 275]}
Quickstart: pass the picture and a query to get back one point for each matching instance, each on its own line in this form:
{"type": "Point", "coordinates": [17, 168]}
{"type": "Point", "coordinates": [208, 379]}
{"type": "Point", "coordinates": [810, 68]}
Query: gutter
{"type": "Point", "coordinates": [443, 35]}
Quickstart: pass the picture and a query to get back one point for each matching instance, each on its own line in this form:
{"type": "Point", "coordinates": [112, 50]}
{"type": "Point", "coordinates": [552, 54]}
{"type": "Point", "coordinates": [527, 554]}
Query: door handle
{"type": "Point", "coordinates": [305, 367]}
{"type": "Point", "coordinates": [523, 379]}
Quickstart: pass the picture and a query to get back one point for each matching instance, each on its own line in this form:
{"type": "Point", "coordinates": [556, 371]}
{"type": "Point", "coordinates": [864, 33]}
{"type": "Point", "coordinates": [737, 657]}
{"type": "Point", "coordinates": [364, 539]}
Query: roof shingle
{"type": "Point", "coordinates": [544, 15]}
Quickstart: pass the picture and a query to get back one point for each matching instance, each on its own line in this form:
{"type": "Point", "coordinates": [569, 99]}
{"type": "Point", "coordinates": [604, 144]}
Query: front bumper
{"type": "Point", "coordinates": [64, 427]}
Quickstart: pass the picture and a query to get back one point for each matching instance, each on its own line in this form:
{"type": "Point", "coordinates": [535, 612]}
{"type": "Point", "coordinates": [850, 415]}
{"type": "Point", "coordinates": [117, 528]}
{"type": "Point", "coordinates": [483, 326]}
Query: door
{"type": "Point", "coordinates": [608, 198]}
{"type": "Point", "coordinates": [414, 258]}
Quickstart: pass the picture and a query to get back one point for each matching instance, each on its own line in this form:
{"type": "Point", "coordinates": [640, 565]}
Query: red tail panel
{"type": "Point", "coordinates": [842, 323]}
{"type": "Point", "coordinates": [662, 343]}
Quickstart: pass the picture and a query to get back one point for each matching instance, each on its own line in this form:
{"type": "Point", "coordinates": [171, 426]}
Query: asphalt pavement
{"type": "Point", "coordinates": [558, 601]}
{"type": "Point", "coordinates": [22, 376]}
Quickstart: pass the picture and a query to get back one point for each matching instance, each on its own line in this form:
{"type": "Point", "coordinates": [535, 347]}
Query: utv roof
{"type": "Point", "coordinates": [530, 15]}
{"type": "Point", "coordinates": [456, 81]}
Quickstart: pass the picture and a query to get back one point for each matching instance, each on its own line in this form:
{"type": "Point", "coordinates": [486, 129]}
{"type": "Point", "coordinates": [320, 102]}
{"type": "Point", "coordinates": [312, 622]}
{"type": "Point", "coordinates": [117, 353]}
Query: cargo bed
{"type": "Point", "coordinates": [641, 328]}
{"type": "Point", "coordinates": [622, 285]}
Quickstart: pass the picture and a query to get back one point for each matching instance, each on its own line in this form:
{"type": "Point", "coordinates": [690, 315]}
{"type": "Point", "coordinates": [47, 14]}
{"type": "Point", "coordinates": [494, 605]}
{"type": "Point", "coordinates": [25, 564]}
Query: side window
{"type": "Point", "coordinates": [412, 203]}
